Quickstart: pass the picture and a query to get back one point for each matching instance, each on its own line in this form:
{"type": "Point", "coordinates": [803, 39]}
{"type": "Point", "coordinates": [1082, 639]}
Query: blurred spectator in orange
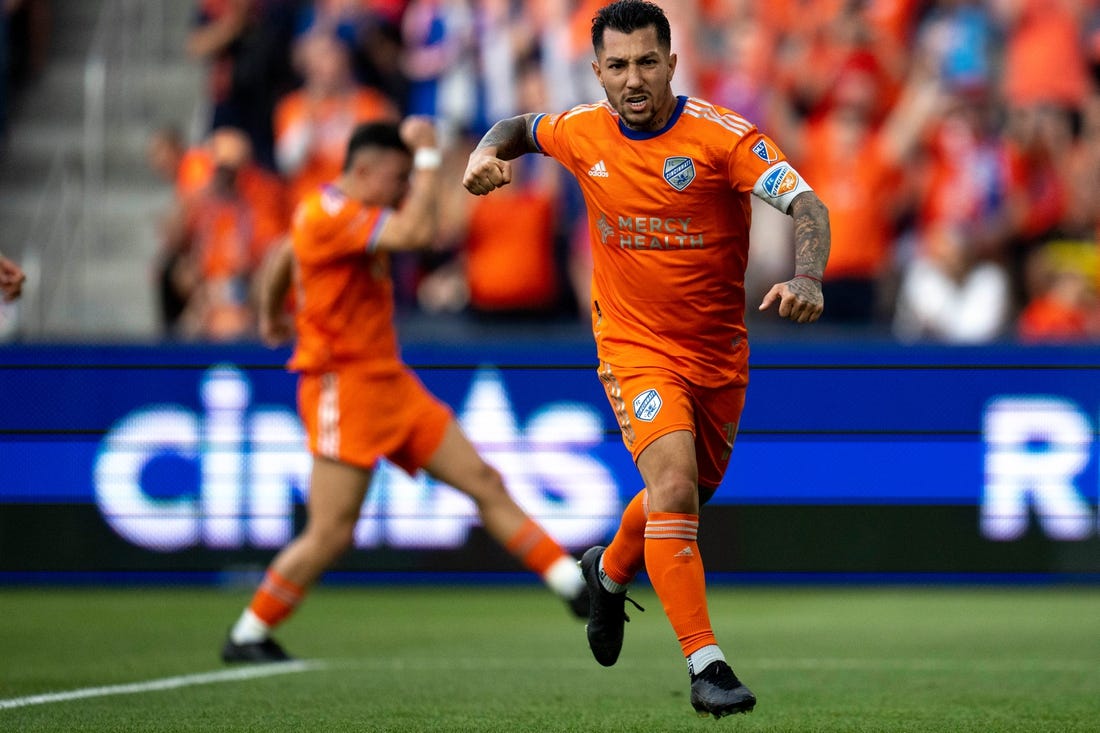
{"type": "Point", "coordinates": [955, 288]}
{"type": "Point", "coordinates": [818, 40]}
{"type": "Point", "coordinates": [854, 157]}
{"type": "Point", "coordinates": [313, 123]}
{"type": "Point", "coordinates": [510, 261]}
{"type": "Point", "coordinates": [229, 212]}
{"type": "Point", "coordinates": [246, 46]}
{"type": "Point", "coordinates": [965, 174]}
{"type": "Point", "coordinates": [508, 253]}
{"type": "Point", "coordinates": [1038, 139]}
{"type": "Point", "coordinates": [1044, 56]}
{"type": "Point", "coordinates": [1064, 306]}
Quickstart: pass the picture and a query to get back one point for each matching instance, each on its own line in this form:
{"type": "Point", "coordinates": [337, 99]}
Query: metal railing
{"type": "Point", "coordinates": [127, 43]}
{"type": "Point", "coordinates": [56, 245]}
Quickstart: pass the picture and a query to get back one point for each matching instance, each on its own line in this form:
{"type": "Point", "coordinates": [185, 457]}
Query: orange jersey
{"type": "Point", "coordinates": [344, 291]}
{"type": "Point", "coordinates": [669, 216]}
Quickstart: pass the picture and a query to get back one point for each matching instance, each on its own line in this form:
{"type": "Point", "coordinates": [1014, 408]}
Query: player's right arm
{"type": "Point", "coordinates": [276, 325]}
{"type": "Point", "coordinates": [489, 167]}
{"type": "Point", "coordinates": [416, 223]}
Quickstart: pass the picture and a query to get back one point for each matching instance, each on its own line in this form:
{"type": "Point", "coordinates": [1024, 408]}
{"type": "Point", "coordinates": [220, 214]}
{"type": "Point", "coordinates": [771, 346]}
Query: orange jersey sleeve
{"type": "Point", "coordinates": [669, 216]}
{"type": "Point", "coordinates": [344, 290]}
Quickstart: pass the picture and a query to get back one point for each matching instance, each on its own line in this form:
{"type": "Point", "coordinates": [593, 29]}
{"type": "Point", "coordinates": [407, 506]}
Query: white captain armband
{"type": "Point", "coordinates": [427, 159]}
{"type": "Point", "coordinates": [779, 185]}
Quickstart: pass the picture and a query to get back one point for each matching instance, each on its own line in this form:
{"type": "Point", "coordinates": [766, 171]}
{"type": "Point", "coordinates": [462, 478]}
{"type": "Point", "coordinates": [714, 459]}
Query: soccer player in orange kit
{"type": "Point", "coordinates": [667, 181]}
{"type": "Point", "coordinates": [359, 402]}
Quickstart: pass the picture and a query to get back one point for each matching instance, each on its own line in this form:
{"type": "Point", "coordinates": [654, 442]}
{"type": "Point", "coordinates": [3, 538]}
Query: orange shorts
{"type": "Point", "coordinates": [357, 418]}
{"type": "Point", "coordinates": [651, 402]}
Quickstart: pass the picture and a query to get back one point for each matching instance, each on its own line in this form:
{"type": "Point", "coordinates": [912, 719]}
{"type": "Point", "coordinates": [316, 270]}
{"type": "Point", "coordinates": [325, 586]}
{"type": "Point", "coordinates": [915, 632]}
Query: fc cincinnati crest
{"type": "Point", "coordinates": [647, 405]}
{"type": "Point", "coordinates": [679, 172]}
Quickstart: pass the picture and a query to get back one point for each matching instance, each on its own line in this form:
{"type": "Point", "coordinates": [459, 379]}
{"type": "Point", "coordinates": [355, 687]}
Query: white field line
{"type": "Point", "coordinates": [165, 683]}
{"type": "Point", "coordinates": [919, 666]}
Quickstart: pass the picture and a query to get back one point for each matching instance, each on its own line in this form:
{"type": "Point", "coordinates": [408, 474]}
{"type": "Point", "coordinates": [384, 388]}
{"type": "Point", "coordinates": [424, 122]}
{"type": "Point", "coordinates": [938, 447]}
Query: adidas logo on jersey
{"type": "Point", "coordinates": [598, 171]}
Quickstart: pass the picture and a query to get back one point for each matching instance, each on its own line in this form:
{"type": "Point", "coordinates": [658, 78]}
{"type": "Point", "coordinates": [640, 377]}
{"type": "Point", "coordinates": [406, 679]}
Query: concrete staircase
{"type": "Point", "coordinates": [89, 249]}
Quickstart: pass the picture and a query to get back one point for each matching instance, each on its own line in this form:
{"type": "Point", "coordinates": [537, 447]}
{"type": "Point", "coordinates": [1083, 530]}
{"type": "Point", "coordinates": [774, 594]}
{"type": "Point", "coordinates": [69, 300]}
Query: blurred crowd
{"type": "Point", "coordinates": [956, 144]}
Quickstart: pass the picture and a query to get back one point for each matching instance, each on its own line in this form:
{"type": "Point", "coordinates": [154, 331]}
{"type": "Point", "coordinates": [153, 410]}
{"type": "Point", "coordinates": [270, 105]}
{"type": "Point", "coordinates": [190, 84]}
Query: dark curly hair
{"type": "Point", "coordinates": [384, 135]}
{"type": "Point", "coordinates": [627, 16]}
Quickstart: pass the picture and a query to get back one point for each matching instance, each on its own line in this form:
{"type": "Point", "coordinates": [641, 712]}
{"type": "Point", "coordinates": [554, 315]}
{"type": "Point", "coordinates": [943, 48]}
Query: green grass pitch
{"type": "Point", "coordinates": [489, 658]}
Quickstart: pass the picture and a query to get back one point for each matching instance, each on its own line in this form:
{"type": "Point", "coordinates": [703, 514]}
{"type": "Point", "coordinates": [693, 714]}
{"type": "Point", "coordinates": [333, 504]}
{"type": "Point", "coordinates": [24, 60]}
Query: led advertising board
{"type": "Point", "coordinates": [865, 459]}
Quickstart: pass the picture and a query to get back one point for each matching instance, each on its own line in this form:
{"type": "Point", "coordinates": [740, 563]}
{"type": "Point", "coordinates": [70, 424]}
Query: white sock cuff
{"type": "Point", "coordinates": [564, 577]}
{"type": "Point", "coordinates": [700, 659]}
{"type": "Point", "coordinates": [249, 629]}
{"type": "Point", "coordinates": [610, 585]}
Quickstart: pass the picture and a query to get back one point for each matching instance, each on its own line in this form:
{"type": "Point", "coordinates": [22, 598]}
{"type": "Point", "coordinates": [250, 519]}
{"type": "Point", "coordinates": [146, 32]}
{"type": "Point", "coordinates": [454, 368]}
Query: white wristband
{"type": "Point", "coordinates": [427, 159]}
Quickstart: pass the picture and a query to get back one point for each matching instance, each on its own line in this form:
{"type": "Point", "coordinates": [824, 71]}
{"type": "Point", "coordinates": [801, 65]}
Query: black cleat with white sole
{"type": "Point", "coordinates": [258, 652]}
{"type": "Point", "coordinates": [606, 612]}
{"type": "Point", "coordinates": [717, 691]}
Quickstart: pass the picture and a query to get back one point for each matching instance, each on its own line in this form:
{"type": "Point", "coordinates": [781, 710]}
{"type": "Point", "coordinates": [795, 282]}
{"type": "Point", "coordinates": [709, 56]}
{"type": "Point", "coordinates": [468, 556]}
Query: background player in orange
{"type": "Point", "coordinates": [11, 279]}
{"type": "Point", "coordinates": [357, 399]}
{"type": "Point", "coordinates": [667, 181]}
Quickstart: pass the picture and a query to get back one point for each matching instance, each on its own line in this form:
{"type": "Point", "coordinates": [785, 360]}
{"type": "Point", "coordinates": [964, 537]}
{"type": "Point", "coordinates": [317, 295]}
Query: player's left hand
{"type": "Point", "coordinates": [800, 300]}
{"type": "Point", "coordinates": [276, 329]}
{"type": "Point", "coordinates": [11, 280]}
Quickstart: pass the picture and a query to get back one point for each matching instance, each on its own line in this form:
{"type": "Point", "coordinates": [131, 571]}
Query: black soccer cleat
{"type": "Point", "coordinates": [717, 691]}
{"type": "Point", "coordinates": [258, 652]}
{"type": "Point", "coordinates": [606, 612]}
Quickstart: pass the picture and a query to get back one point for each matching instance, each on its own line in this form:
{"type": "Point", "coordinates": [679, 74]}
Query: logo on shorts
{"type": "Point", "coordinates": [679, 171]}
{"type": "Point", "coordinates": [647, 405]}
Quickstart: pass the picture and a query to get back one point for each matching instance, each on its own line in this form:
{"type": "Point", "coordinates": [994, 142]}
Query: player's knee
{"type": "Point", "coordinates": [679, 495]}
{"type": "Point", "coordinates": [489, 484]}
{"type": "Point", "coordinates": [333, 540]}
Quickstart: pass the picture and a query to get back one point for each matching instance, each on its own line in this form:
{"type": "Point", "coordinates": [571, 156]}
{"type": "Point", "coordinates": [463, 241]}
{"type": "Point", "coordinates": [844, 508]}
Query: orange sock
{"type": "Point", "coordinates": [534, 548]}
{"type": "Point", "coordinates": [275, 599]}
{"type": "Point", "coordinates": [625, 556]}
{"type": "Point", "coordinates": [676, 572]}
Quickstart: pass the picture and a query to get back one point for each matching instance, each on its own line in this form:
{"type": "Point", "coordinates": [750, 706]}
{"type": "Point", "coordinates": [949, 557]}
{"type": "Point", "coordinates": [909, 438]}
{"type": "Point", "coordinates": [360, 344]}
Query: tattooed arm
{"type": "Point", "coordinates": [489, 166]}
{"type": "Point", "coordinates": [800, 298]}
